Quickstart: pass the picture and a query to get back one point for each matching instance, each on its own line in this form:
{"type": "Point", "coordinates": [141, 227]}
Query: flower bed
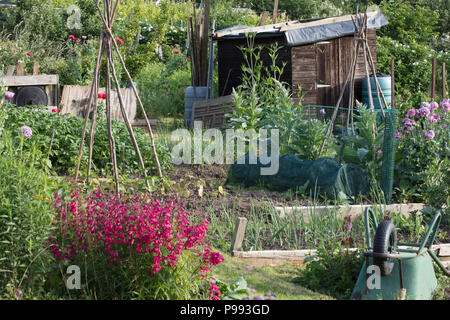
{"type": "Point", "coordinates": [134, 247]}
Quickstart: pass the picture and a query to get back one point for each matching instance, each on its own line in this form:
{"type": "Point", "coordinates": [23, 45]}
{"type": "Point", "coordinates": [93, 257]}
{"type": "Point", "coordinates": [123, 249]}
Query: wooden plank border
{"type": "Point", "coordinates": [36, 80]}
{"type": "Point", "coordinates": [299, 257]}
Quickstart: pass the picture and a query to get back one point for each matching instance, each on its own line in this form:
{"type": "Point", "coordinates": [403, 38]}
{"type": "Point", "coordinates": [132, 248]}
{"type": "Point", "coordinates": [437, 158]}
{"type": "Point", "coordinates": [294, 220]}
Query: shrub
{"type": "Point", "coordinates": [66, 131]}
{"type": "Point", "coordinates": [423, 152]}
{"type": "Point", "coordinates": [162, 86]}
{"type": "Point", "coordinates": [334, 272]}
{"type": "Point", "coordinates": [133, 247]}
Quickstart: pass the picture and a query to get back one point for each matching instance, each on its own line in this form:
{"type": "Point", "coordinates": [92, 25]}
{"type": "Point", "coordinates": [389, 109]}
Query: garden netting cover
{"type": "Point", "coordinates": [324, 176]}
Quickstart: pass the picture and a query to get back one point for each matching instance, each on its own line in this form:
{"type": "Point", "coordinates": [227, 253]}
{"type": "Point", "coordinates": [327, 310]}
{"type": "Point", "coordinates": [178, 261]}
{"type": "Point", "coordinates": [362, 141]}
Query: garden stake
{"type": "Point", "coordinates": [112, 144]}
{"type": "Point", "coordinates": [443, 81]}
{"type": "Point", "coordinates": [392, 85]}
{"type": "Point", "coordinates": [92, 99]}
{"type": "Point", "coordinates": [433, 79]}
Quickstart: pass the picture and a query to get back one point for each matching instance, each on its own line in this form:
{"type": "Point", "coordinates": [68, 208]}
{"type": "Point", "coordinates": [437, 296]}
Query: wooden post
{"type": "Point", "coordinates": [444, 78]}
{"type": "Point", "coordinates": [392, 85]}
{"type": "Point", "coordinates": [433, 79]}
{"type": "Point", "coordinates": [275, 11]}
{"type": "Point", "coordinates": [238, 236]}
{"type": "Point", "coordinates": [204, 43]}
{"type": "Point", "coordinates": [36, 68]}
{"type": "Point", "coordinates": [19, 69]}
{"type": "Point", "coordinates": [264, 17]}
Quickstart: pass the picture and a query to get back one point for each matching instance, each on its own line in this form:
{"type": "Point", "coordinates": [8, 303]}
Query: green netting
{"type": "Point", "coordinates": [324, 176]}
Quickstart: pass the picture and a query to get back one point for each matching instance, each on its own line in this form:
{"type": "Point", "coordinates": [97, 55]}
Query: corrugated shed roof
{"type": "Point", "coordinates": [304, 32]}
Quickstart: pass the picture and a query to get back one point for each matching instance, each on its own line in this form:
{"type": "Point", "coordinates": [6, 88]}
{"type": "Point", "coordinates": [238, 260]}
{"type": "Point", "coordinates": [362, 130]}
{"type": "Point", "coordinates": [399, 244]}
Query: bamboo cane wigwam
{"type": "Point", "coordinates": [107, 42]}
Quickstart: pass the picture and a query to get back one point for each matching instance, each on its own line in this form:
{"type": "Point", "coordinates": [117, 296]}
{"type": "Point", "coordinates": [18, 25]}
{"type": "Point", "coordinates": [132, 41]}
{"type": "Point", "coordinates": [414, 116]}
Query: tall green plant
{"type": "Point", "coordinates": [25, 217]}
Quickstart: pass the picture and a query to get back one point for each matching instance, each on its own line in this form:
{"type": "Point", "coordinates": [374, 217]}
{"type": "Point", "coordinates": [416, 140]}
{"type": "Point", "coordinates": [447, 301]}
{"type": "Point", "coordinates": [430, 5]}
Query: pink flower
{"type": "Point", "coordinates": [445, 104]}
{"type": "Point", "coordinates": [54, 110]}
{"type": "Point", "coordinates": [429, 134]}
{"type": "Point", "coordinates": [26, 131]}
{"type": "Point", "coordinates": [84, 37]}
{"type": "Point", "coordinates": [74, 52]}
{"type": "Point", "coordinates": [398, 135]}
{"type": "Point", "coordinates": [72, 37]}
{"type": "Point", "coordinates": [434, 118]}
{"type": "Point", "coordinates": [434, 105]}
{"type": "Point", "coordinates": [28, 53]}
{"type": "Point", "coordinates": [120, 40]}
{"type": "Point", "coordinates": [322, 111]}
{"type": "Point", "coordinates": [9, 95]}
{"type": "Point", "coordinates": [423, 112]}
{"type": "Point", "coordinates": [411, 112]}
{"type": "Point", "coordinates": [89, 42]}
{"type": "Point", "coordinates": [426, 105]}
{"type": "Point", "coordinates": [176, 51]}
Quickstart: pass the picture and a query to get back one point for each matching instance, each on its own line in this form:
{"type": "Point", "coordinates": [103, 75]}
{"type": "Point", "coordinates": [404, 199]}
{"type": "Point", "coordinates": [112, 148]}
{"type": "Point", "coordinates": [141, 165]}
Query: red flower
{"type": "Point", "coordinates": [28, 53]}
{"type": "Point", "coordinates": [54, 110]}
{"type": "Point", "coordinates": [120, 40]}
{"type": "Point", "coordinates": [176, 51]}
{"type": "Point", "coordinates": [74, 52]}
{"type": "Point", "coordinates": [72, 37]}
{"type": "Point", "coordinates": [101, 95]}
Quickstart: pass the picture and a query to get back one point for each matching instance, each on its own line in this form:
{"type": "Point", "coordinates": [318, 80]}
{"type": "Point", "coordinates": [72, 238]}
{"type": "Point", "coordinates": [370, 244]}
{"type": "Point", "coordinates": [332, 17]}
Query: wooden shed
{"type": "Point", "coordinates": [317, 54]}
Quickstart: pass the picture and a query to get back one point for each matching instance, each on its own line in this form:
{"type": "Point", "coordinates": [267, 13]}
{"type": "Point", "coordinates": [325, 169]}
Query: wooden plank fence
{"type": "Point", "coordinates": [75, 98]}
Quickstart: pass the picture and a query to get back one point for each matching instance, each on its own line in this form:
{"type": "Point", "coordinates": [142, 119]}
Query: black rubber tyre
{"type": "Point", "coordinates": [385, 241]}
{"type": "Point", "coordinates": [31, 96]}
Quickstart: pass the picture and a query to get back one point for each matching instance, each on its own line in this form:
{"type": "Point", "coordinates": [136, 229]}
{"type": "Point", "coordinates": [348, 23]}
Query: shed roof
{"type": "Point", "coordinates": [305, 31]}
{"type": "Point", "coordinates": [7, 4]}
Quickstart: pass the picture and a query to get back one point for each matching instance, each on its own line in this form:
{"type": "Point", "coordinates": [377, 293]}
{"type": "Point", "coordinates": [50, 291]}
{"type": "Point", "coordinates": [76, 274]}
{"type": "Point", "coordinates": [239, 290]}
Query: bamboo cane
{"type": "Point", "coordinates": [134, 90]}
{"type": "Point", "coordinates": [92, 99]}
{"type": "Point", "coordinates": [112, 144]}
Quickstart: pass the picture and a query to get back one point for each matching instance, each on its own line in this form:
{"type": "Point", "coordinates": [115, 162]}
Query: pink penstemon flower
{"type": "Point", "coordinates": [138, 225]}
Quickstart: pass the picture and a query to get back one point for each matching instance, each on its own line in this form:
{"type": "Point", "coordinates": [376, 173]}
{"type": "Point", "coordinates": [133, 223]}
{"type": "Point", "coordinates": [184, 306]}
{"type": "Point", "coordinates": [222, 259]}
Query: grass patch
{"type": "Point", "coordinates": [277, 280]}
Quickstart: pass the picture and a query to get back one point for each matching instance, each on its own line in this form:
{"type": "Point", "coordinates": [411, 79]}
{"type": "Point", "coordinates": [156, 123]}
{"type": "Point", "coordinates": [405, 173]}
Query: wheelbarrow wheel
{"type": "Point", "coordinates": [385, 241]}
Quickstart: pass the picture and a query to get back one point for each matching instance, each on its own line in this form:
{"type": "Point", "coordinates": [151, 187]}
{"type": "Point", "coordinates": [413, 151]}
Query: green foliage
{"type": "Point", "coordinates": [408, 21]}
{"type": "Point", "coordinates": [307, 137]}
{"type": "Point", "coordinates": [234, 291]}
{"type": "Point", "coordinates": [25, 216]}
{"type": "Point", "coordinates": [303, 9]}
{"type": "Point", "coordinates": [66, 131]}
{"type": "Point", "coordinates": [365, 148]}
{"type": "Point", "coordinates": [422, 163]}
{"type": "Point", "coordinates": [162, 86]}
{"type": "Point", "coordinates": [412, 66]}
{"type": "Point", "coordinates": [334, 272]}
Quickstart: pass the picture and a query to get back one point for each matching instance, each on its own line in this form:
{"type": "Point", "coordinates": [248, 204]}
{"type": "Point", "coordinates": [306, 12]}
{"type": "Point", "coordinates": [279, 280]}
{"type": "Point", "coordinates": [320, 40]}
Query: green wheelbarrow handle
{"type": "Point", "coordinates": [367, 219]}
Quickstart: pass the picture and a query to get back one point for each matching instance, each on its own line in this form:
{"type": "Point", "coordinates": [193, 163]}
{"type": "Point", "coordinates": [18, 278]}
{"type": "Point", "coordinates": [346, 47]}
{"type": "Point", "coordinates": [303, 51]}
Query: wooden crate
{"type": "Point", "coordinates": [212, 111]}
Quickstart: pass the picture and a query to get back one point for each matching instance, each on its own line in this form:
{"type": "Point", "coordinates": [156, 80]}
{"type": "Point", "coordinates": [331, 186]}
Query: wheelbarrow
{"type": "Point", "coordinates": [397, 271]}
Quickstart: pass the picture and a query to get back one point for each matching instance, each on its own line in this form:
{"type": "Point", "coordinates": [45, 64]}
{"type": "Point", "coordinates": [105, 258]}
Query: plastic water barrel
{"type": "Point", "coordinates": [385, 84]}
{"type": "Point", "coordinates": [191, 95]}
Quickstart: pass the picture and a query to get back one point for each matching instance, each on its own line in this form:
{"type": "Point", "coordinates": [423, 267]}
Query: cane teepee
{"type": "Point", "coordinates": [108, 47]}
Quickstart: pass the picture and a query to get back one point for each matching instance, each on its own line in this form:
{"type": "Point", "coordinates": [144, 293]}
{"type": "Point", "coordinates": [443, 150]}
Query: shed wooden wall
{"type": "Point", "coordinates": [324, 62]}
{"type": "Point", "coordinates": [327, 63]}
